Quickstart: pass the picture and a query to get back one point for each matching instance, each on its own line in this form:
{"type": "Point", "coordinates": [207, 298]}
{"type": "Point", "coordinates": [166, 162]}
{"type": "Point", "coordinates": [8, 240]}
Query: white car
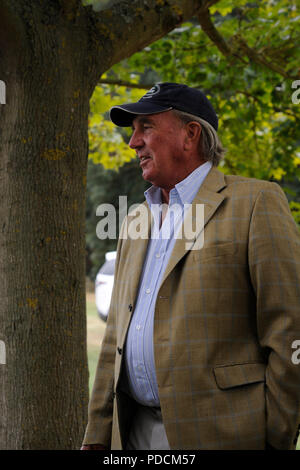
{"type": "Point", "coordinates": [104, 284]}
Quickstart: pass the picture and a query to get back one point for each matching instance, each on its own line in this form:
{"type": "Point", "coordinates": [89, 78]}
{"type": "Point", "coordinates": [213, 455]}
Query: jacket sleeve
{"type": "Point", "coordinates": [99, 427]}
{"type": "Point", "coordinates": [274, 261]}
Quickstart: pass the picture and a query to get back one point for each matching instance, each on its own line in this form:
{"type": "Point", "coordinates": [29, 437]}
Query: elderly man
{"type": "Point", "coordinates": [198, 349]}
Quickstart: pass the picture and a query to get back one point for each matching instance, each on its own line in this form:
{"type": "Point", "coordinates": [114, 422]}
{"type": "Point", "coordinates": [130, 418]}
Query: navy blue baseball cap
{"type": "Point", "coordinates": [164, 97]}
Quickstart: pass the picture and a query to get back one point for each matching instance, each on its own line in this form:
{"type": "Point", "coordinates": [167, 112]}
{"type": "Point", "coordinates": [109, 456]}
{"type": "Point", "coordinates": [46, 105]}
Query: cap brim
{"type": "Point", "coordinates": [123, 115]}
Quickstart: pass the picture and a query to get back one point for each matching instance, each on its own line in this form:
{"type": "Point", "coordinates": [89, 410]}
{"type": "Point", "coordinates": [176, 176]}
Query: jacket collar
{"type": "Point", "coordinates": [208, 195]}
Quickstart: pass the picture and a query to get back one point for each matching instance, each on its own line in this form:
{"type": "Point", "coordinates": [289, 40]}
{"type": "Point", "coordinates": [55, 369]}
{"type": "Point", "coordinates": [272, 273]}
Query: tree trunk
{"type": "Point", "coordinates": [51, 55]}
{"type": "Point", "coordinates": [43, 157]}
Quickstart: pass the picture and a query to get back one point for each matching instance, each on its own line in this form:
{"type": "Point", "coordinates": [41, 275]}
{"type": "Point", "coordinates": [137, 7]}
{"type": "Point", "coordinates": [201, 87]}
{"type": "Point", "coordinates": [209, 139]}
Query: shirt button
{"type": "Point", "coordinates": [157, 255]}
{"type": "Point", "coordinates": [148, 291]}
{"type": "Point", "coordinates": [138, 327]}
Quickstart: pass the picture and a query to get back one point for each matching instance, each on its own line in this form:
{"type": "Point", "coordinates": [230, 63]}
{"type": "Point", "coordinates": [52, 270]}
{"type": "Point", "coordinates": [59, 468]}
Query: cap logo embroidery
{"type": "Point", "coordinates": [153, 91]}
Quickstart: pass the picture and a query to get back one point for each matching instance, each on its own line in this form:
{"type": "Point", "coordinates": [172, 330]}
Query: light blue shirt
{"type": "Point", "coordinates": [139, 351]}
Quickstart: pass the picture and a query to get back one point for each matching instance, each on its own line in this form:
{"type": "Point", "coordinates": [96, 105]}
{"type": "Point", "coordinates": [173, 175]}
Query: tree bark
{"type": "Point", "coordinates": [51, 56]}
{"type": "Point", "coordinates": [130, 25]}
{"type": "Point", "coordinates": [43, 156]}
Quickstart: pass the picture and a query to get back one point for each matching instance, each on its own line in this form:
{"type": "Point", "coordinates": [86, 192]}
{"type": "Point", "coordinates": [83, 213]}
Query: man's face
{"type": "Point", "coordinates": [158, 140]}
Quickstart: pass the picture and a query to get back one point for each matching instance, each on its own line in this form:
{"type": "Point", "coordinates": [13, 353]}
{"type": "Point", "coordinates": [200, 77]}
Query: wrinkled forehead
{"type": "Point", "coordinates": [165, 117]}
{"type": "Point", "coordinates": [144, 119]}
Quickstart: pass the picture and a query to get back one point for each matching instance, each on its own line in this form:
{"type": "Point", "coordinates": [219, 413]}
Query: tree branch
{"type": "Point", "coordinates": [260, 58]}
{"type": "Point", "coordinates": [141, 86]}
{"type": "Point", "coordinates": [130, 25]}
{"type": "Point", "coordinates": [288, 111]}
{"type": "Point", "coordinates": [210, 3]}
{"type": "Point", "coordinates": [240, 46]}
{"type": "Point", "coordinates": [210, 30]}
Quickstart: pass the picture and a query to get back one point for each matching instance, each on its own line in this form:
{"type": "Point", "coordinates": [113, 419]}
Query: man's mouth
{"type": "Point", "coordinates": [144, 157]}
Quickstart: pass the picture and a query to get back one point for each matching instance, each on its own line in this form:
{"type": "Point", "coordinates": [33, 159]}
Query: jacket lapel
{"type": "Point", "coordinates": [208, 195]}
{"type": "Point", "coordinates": [139, 248]}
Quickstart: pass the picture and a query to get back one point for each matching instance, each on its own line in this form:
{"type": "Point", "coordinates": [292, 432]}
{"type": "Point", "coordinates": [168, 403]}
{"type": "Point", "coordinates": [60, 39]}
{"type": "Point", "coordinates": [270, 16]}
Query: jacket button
{"type": "Point", "coordinates": [130, 308]}
{"type": "Point", "coordinates": [119, 350]}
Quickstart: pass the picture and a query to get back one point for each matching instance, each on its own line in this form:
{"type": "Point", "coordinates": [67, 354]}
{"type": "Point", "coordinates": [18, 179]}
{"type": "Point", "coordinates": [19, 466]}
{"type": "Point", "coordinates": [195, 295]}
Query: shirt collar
{"type": "Point", "coordinates": [185, 190]}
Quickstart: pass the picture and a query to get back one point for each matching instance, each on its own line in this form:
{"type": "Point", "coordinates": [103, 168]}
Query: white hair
{"type": "Point", "coordinates": [210, 146]}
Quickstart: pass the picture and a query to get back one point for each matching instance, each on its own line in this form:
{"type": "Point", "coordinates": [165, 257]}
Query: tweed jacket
{"type": "Point", "coordinates": [226, 322]}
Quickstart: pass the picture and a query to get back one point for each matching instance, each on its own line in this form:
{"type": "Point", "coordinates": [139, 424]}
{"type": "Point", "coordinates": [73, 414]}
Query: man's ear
{"type": "Point", "coordinates": [193, 133]}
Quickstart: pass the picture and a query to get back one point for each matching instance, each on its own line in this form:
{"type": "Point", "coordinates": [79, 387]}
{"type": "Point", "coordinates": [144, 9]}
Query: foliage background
{"type": "Point", "coordinates": [244, 56]}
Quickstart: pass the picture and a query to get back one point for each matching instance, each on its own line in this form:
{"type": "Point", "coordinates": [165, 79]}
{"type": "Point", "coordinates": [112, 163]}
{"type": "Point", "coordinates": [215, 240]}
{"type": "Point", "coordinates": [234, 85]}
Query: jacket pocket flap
{"type": "Point", "coordinates": [234, 375]}
{"type": "Point", "coordinates": [215, 251]}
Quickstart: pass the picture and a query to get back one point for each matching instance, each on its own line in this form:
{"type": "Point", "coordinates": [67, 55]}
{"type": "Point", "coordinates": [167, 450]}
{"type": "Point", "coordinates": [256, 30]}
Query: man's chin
{"type": "Point", "coordinates": [147, 176]}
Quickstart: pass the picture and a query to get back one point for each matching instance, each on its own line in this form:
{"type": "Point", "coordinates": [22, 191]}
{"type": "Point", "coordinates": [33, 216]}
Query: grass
{"type": "Point", "coordinates": [95, 332]}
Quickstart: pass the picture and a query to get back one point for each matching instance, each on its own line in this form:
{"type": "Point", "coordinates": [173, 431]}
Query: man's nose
{"type": "Point", "coordinates": [136, 140]}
